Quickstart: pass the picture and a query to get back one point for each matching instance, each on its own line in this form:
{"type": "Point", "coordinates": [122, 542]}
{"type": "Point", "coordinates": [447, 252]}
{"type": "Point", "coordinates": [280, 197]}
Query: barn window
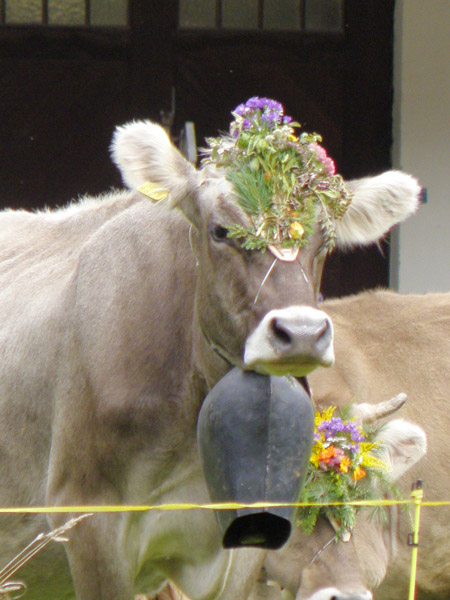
{"type": "Point", "coordinates": [64, 12]}
{"type": "Point", "coordinates": [324, 16]}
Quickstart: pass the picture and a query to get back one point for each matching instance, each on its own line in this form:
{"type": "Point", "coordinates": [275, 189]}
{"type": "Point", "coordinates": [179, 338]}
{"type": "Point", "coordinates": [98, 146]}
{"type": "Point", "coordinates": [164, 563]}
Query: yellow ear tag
{"type": "Point", "coordinates": [153, 191]}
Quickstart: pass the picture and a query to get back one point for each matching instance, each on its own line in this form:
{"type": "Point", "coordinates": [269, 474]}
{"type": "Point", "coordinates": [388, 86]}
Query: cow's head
{"type": "Point", "coordinates": [255, 308]}
{"type": "Point", "coordinates": [316, 567]}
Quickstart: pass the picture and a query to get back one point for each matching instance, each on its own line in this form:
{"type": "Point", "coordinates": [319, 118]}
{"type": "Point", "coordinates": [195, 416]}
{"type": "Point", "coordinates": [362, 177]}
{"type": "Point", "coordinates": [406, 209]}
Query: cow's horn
{"type": "Point", "coordinates": [345, 535]}
{"type": "Point", "coordinates": [367, 413]}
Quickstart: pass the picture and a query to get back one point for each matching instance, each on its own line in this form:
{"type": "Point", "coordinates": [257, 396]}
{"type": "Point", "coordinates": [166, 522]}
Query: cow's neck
{"type": "Point", "coordinates": [207, 361]}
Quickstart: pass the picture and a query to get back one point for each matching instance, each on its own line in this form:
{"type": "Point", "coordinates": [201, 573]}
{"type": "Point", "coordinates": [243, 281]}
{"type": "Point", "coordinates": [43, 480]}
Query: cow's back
{"type": "Point", "coordinates": [404, 346]}
{"type": "Point", "coordinates": [411, 330]}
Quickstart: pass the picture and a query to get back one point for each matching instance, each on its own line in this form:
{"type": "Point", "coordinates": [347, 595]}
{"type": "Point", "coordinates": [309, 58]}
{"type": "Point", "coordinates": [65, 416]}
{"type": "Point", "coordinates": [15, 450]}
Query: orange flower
{"type": "Point", "coordinates": [345, 463]}
{"type": "Point", "coordinates": [327, 454]}
{"type": "Point", "coordinates": [358, 473]}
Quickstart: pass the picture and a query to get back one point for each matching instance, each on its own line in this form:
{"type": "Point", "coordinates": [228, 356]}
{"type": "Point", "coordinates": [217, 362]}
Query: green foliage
{"type": "Point", "coordinates": [252, 191]}
{"type": "Point", "coordinates": [344, 467]}
{"type": "Point", "coordinates": [284, 183]}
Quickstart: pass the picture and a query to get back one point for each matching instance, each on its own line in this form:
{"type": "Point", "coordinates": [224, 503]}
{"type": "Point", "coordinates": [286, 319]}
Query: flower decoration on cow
{"type": "Point", "coordinates": [343, 468]}
{"type": "Point", "coordinates": [285, 183]}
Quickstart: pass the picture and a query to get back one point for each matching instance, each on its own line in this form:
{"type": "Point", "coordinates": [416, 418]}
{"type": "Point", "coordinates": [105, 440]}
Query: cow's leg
{"type": "Point", "coordinates": [245, 570]}
{"type": "Point", "coordinates": [98, 565]}
{"type": "Point", "coordinates": [99, 569]}
{"type": "Point", "coordinates": [82, 473]}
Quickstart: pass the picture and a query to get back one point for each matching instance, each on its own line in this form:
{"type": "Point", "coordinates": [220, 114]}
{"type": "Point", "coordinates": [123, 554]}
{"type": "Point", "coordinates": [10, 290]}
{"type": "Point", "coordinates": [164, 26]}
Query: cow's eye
{"type": "Point", "coordinates": [219, 233]}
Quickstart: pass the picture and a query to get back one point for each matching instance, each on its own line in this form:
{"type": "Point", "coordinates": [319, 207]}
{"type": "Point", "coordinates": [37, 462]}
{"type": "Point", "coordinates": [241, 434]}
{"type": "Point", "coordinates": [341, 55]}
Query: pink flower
{"type": "Point", "coordinates": [322, 155]}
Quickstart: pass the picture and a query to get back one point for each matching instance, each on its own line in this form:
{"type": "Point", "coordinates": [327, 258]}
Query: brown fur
{"type": "Point", "coordinates": [385, 343]}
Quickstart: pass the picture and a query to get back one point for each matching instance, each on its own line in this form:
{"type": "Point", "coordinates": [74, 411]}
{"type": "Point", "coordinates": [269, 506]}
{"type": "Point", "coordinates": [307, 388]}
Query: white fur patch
{"type": "Point", "coordinates": [403, 444]}
{"type": "Point", "coordinates": [332, 592]}
{"type": "Point", "coordinates": [378, 204]}
{"type": "Point", "coordinates": [143, 152]}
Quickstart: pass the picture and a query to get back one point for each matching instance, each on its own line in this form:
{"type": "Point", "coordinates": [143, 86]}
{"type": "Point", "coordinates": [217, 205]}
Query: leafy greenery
{"type": "Point", "coordinates": [343, 468]}
{"type": "Point", "coordinates": [284, 183]}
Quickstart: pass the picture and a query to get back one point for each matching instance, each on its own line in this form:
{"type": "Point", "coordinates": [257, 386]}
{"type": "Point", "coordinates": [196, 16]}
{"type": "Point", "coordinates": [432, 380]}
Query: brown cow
{"type": "Point", "coordinates": [117, 316]}
{"type": "Point", "coordinates": [385, 343]}
{"type": "Point", "coordinates": [315, 567]}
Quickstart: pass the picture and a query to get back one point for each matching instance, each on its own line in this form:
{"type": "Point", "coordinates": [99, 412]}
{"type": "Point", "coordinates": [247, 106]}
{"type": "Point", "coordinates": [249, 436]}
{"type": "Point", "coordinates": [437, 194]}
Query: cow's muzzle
{"type": "Point", "coordinates": [255, 436]}
{"type": "Point", "coordinates": [290, 341]}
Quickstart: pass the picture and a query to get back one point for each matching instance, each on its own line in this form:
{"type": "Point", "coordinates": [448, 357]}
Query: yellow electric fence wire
{"type": "Point", "coordinates": [417, 496]}
{"type": "Point", "coordinates": [97, 508]}
{"type": "Point", "coordinates": [416, 500]}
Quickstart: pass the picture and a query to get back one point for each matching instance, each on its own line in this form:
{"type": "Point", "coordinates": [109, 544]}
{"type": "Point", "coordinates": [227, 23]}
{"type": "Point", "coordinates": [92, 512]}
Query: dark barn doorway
{"type": "Point", "coordinates": [65, 85]}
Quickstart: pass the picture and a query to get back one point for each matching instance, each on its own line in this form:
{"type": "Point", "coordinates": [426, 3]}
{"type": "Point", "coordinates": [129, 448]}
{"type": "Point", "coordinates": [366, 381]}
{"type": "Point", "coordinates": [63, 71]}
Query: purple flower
{"type": "Point", "coordinates": [355, 432]}
{"type": "Point", "coordinates": [239, 110]}
{"type": "Point", "coordinates": [254, 103]}
{"type": "Point", "coordinates": [271, 118]}
{"type": "Point", "coordinates": [336, 427]}
{"type": "Point", "coordinates": [271, 108]}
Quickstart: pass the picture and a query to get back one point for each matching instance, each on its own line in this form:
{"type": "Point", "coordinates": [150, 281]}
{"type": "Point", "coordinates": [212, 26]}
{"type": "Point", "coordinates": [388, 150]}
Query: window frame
{"type": "Point", "coordinates": [260, 29]}
{"type": "Point", "coordinates": [44, 22]}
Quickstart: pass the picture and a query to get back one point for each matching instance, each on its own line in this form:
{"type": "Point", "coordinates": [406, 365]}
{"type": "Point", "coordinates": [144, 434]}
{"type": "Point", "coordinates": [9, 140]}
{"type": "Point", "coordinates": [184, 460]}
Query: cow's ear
{"type": "Point", "coordinates": [144, 154]}
{"type": "Point", "coordinates": [402, 444]}
{"type": "Point", "coordinates": [378, 204]}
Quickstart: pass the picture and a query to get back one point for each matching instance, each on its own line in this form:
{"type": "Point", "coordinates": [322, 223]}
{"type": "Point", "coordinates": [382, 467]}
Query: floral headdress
{"type": "Point", "coordinates": [284, 183]}
{"type": "Point", "coordinates": [343, 468]}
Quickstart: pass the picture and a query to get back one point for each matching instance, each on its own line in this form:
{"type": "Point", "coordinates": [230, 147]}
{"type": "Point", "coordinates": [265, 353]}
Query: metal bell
{"type": "Point", "coordinates": [255, 435]}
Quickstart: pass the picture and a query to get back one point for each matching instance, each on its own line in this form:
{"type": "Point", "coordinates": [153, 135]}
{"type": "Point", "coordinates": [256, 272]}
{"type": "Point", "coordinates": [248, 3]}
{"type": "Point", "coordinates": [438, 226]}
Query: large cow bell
{"type": "Point", "coordinates": [255, 434]}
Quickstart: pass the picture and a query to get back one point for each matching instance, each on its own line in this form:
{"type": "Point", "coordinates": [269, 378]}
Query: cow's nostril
{"type": "Point", "coordinates": [281, 334]}
{"type": "Point", "coordinates": [365, 596]}
{"type": "Point", "coordinates": [322, 333]}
